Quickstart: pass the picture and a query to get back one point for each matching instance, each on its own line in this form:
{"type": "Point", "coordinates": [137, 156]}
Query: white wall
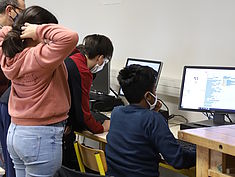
{"type": "Point", "coordinates": [177, 32]}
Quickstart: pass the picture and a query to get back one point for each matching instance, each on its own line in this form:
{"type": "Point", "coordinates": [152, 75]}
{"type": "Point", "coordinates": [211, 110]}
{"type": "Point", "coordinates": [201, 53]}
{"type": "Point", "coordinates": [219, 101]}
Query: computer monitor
{"type": "Point", "coordinates": [208, 89]}
{"type": "Point", "coordinates": [101, 82]}
{"type": "Point", "coordinates": [156, 65]}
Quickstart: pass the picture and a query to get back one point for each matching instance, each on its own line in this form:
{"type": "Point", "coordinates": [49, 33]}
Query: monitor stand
{"type": "Point", "coordinates": [210, 123]}
{"type": "Point", "coordinates": [219, 119]}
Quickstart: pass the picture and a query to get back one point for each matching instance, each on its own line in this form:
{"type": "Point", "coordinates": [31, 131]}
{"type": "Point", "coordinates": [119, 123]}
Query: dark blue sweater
{"type": "Point", "coordinates": [135, 139]}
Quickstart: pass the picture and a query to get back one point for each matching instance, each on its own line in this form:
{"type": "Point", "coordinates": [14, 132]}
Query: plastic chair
{"type": "Point", "coordinates": [93, 159]}
{"type": "Point", "coordinates": [191, 172]}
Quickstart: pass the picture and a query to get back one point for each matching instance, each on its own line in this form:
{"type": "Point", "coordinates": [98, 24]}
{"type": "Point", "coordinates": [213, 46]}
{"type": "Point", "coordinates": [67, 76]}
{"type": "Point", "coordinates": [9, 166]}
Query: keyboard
{"type": "Point", "coordinates": [99, 116]}
{"type": "Point", "coordinates": [186, 145]}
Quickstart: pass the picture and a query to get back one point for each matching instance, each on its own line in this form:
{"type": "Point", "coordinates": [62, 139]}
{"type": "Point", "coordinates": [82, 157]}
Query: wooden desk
{"type": "Point", "coordinates": [101, 137]}
{"type": "Point", "coordinates": [215, 150]}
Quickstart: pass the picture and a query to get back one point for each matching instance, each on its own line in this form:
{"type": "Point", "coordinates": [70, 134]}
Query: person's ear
{"type": "Point", "coordinates": [147, 96]}
{"type": "Point", "coordinates": [100, 59]}
{"type": "Point", "coordinates": [8, 10]}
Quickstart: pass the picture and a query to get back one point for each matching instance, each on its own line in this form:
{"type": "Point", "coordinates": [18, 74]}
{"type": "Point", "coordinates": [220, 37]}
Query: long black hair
{"type": "Point", "coordinates": [12, 43]}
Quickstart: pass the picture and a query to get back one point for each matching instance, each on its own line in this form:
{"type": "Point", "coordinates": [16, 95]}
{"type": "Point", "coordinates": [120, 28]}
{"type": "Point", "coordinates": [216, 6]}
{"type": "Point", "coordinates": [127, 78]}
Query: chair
{"type": "Point", "coordinates": [191, 172]}
{"type": "Point", "coordinates": [67, 172]}
{"type": "Point", "coordinates": [93, 159]}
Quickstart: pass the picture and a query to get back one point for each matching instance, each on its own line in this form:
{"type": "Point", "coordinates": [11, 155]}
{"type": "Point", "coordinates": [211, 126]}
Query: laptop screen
{"type": "Point", "coordinates": [156, 65]}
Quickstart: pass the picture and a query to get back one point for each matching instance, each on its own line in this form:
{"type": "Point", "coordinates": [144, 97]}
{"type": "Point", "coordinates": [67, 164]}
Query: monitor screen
{"type": "Point", "coordinates": [101, 82]}
{"type": "Point", "coordinates": [156, 65]}
{"type": "Point", "coordinates": [208, 89]}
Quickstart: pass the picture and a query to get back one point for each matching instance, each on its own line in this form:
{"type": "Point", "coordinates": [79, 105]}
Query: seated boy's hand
{"type": "Point", "coordinates": [106, 125]}
{"type": "Point", "coordinates": [158, 106]}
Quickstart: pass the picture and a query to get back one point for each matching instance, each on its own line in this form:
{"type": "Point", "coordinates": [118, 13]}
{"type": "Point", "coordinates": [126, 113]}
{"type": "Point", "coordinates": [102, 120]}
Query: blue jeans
{"type": "Point", "coordinates": [5, 121]}
{"type": "Point", "coordinates": [35, 150]}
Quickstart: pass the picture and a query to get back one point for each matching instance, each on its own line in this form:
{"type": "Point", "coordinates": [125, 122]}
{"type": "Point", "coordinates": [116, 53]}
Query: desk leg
{"type": "Point", "coordinates": [202, 164]}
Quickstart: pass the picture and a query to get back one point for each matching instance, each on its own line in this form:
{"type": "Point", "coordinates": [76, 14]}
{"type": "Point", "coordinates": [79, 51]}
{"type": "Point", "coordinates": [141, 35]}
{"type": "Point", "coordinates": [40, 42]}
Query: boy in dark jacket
{"type": "Point", "coordinates": [138, 133]}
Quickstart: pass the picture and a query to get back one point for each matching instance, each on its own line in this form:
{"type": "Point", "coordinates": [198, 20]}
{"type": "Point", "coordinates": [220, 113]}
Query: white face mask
{"type": "Point", "coordinates": [152, 106]}
{"type": "Point", "coordinates": [98, 67]}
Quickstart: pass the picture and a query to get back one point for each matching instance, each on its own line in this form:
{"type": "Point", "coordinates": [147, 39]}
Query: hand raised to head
{"type": "Point", "coordinates": [29, 31]}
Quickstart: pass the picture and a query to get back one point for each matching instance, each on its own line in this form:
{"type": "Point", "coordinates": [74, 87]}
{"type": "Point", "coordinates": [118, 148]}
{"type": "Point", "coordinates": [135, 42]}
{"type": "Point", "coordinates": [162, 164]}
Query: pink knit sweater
{"type": "Point", "coordinates": [39, 92]}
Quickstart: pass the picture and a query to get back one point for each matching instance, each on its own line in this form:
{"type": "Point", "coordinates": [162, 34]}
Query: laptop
{"type": "Point", "coordinates": [156, 65]}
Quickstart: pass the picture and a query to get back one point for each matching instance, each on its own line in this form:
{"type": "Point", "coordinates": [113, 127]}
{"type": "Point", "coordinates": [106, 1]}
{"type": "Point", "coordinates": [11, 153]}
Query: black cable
{"type": "Point", "coordinates": [164, 104]}
{"type": "Point", "coordinates": [114, 92]}
{"type": "Point", "coordinates": [206, 114]}
{"type": "Point", "coordinates": [178, 115]}
{"type": "Point", "coordinates": [172, 115]}
{"type": "Point", "coordinates": [210, 115]}
{"type": "Point", "coordinates": [230, 120]}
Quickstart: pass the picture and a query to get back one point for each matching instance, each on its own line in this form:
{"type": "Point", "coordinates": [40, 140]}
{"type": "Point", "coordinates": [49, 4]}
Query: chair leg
{"type": "Point", "coordinates": [100, 164]}
{"type": "Point", "coordinates": [81, 166]}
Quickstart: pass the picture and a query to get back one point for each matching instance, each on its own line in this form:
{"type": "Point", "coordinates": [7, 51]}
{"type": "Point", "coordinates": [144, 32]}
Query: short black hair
{"type": "Point", "coordinates": [136, 80]}
{"type": "Point", "coordinates": [5, 3]}
{"type": "Point", "coordinates": [96, 44]}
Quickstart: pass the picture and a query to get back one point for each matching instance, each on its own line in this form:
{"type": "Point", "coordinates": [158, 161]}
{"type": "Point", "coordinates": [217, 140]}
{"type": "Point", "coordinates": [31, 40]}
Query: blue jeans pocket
{"type": "Point", "coordinates": [27, 147]}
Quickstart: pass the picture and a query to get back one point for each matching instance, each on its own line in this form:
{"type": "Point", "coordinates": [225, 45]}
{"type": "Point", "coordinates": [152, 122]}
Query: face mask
{"type": "Point", "coordinates": [14, 19]}
{"type": "Point", "coordinates": [152, 106]}
{"type": "Point", "coordinates": [98, 68]}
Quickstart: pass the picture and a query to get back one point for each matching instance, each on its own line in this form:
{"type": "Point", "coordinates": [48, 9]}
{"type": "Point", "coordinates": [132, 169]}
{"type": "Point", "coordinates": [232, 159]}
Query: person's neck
{"type": "Point", "coordinates": [90, 62]}
{"type": "Point", "coordinates": [142, 104]}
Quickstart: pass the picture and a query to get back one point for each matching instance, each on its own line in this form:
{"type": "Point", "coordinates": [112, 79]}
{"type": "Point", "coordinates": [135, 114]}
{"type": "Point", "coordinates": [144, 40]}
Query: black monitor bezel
{"type": "Point", "coordinates": [101, 82]}
{"type": "Point", "coordinates": [144, 60]}
{"type": "Point", "coordinates": [216, 111]}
